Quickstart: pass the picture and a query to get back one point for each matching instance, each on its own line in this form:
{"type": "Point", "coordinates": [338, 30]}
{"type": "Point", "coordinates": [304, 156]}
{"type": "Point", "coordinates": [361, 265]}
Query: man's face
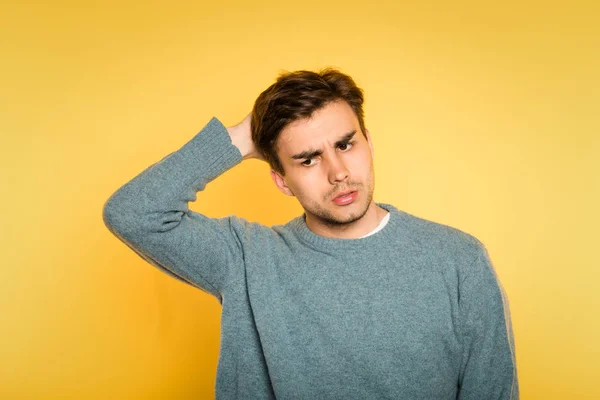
{"type": "Point", "coordinates": [324, 156]}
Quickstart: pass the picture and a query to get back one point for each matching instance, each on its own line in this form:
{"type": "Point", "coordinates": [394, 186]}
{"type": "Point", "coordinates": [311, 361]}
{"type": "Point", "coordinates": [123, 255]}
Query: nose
{"type": "Point", "coordinates": [337, 170]}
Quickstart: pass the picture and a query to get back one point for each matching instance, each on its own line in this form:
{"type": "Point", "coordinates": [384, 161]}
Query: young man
{"type": "Point", "coordinates": [352, 300]}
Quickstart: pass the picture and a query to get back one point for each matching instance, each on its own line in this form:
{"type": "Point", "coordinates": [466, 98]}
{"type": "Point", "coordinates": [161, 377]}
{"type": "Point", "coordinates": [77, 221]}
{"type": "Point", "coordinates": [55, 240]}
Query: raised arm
{"type": "Point", "coordinates": [488, 369]}
{"type": "Point", "coordinates": [150, 213]}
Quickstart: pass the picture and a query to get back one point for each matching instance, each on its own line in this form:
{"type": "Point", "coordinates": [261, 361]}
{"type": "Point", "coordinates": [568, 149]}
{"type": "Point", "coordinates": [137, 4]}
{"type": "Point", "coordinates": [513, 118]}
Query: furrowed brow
{"type": "Point", "coordinates": [346, 138]}
{"type": "Point", "coordinates": [314, 153]}
{"type": "Point", "coordinates": [307, 154]}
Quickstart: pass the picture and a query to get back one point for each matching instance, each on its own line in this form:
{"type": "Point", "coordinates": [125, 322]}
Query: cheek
{"type": "Point", "coordinates": [308, 184]}
{"type": "Point", "coordinates": [360, 163]}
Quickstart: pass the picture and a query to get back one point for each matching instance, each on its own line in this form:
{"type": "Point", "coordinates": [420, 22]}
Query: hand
{"type": "Point", "coordinates": [241, 137]}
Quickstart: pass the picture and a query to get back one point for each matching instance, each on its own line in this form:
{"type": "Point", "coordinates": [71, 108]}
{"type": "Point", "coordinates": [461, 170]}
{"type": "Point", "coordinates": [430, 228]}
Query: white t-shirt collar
{"type": "Point", "coordinates": [380, 227]}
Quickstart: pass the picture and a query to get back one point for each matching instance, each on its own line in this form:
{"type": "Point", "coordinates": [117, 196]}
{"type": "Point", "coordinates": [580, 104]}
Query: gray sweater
{"type": "Point", "coordinates": [414, 311]}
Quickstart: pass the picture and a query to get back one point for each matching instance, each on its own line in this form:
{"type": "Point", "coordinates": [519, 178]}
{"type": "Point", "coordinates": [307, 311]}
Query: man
{"type": "Point", "coordinates": [352, 300]}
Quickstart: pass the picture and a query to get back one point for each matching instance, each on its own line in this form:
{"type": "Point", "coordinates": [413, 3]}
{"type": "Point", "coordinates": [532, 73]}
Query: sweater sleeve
{"type": "Point", "coordinates": [488, 368]}
{"type": "Point", "coordinates": [150, 213]}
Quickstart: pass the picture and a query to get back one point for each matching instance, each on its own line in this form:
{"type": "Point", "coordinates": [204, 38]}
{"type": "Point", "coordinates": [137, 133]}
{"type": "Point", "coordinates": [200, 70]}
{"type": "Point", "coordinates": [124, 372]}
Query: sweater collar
{"type": "Point", "coordinates": [299, 227]}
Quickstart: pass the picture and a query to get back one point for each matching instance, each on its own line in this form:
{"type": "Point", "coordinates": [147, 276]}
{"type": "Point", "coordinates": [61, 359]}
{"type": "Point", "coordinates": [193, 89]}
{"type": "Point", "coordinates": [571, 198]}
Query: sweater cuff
{"type": "Point", "coordinates": [212, 150]}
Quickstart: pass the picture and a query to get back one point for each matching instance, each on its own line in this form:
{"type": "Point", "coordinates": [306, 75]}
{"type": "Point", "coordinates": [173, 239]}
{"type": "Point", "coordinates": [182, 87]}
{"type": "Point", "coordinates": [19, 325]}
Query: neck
{"type": "Point", "coordinates": [353, 230]}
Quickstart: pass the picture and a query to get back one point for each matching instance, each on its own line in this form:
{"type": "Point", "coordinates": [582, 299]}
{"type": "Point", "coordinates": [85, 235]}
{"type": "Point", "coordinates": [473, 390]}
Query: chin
{"type": "Point", "coordinates": [349, 214]}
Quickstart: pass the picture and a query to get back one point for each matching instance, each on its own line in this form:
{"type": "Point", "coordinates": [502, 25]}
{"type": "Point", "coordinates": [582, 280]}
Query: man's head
{"type": "Point", "coordinates": [310, 128]}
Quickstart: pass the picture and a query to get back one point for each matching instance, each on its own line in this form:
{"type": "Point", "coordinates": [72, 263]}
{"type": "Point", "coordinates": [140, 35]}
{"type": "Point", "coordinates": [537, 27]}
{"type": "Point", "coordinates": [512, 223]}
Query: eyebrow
{"type": "Point", "coordinates": [310, 153]}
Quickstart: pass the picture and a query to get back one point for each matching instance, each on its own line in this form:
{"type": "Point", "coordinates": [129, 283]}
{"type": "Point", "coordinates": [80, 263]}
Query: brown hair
{"type": "Point", "coordinates": [297, 95]}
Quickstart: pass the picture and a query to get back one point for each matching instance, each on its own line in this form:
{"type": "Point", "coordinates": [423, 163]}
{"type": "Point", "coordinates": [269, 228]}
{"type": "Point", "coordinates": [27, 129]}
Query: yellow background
{"type": "Point", "coordinates": [484, 116]}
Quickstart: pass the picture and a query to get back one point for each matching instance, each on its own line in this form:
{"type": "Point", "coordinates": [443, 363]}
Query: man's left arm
{"type": "Point", "coordinates": [488, 369]}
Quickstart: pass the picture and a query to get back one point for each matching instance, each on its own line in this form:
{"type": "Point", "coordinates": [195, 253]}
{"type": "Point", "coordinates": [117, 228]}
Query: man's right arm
{"type": "Point", "coordinates": [150, 213]}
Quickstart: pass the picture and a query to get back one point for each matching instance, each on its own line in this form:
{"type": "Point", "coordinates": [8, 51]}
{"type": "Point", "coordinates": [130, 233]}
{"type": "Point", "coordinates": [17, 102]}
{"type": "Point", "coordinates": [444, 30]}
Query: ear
{"type": "Point", "coordinates": [370, 143]}
{"type": "Point", "coordinates": [280, 182]}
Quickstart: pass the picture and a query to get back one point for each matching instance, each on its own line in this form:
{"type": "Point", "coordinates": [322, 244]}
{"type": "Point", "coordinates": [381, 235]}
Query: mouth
{"type": "Point", "coordinates": [346, 197]}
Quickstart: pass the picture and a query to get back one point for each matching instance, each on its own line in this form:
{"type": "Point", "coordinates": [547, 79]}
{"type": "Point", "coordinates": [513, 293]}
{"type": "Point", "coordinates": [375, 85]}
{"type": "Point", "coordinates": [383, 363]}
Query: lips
{"type": "Point", "coordinates": [344, 194]}
{"type": "Point", "coordinates": [345, 198]}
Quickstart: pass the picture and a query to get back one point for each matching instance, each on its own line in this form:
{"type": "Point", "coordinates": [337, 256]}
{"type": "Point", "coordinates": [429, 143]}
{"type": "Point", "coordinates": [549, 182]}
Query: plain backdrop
{"type": "Point", "coordinates": [484, 116]}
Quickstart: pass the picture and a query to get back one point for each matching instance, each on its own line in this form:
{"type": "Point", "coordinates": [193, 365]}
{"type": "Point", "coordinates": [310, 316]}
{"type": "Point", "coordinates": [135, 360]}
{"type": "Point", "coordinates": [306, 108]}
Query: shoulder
{"type": "Point", "coordinates": [441, 238]}
{"type": "Point", "coordinates": [455, 250]}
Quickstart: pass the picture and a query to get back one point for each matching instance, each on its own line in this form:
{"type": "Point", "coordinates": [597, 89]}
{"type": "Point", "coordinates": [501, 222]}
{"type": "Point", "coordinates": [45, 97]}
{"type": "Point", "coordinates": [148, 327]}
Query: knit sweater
{"type": "Point", "coordinates": [414, 311]}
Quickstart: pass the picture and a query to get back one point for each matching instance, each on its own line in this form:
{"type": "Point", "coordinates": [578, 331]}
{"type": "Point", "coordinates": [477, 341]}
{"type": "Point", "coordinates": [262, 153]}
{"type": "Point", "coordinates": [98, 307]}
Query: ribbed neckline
{"type": "Point", "coordinates": [299, 227]}
{"type": "Point", "coordinates": [384, 221]}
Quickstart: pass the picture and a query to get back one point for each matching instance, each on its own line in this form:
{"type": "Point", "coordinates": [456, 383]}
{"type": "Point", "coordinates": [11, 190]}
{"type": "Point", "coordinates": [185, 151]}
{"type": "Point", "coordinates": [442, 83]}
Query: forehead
{"type": "Point", "coordinates": [325, 126]}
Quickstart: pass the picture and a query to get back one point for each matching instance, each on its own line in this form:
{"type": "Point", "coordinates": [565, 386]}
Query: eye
{"type": "Point", "coordinates": [307, 163]}
{"type": "Point", "coordinates": [346, 146]}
